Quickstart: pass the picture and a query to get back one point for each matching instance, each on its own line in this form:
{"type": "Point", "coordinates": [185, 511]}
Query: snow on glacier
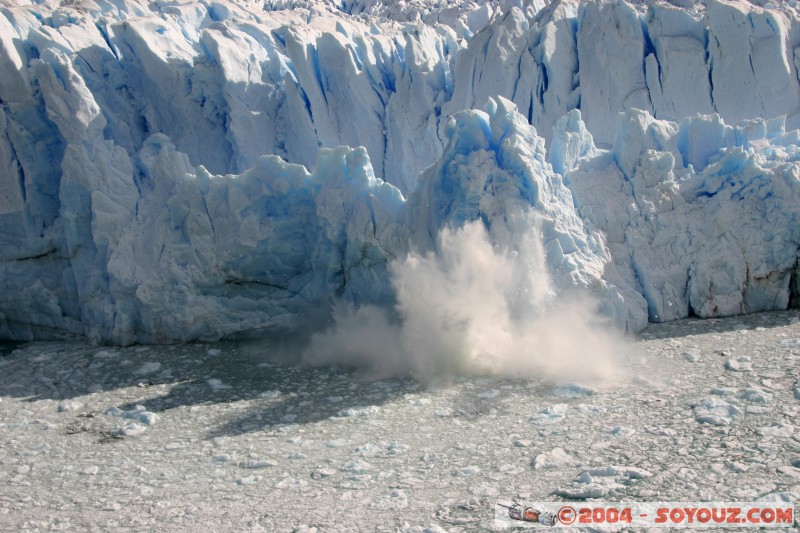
{"type": "Point", "coordinates": [644, 148]}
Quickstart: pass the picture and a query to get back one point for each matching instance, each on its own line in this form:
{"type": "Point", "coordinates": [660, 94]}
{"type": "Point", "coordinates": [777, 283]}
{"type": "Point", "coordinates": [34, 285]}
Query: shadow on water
{"type": "Point", "coordinates": [702, 326]}
{"type": "Point", "coordinates": [161, 378]}
{"type": "Point", "coordinates": [6, 347]}
{"type": "Point", "coordinates": [271, 390]}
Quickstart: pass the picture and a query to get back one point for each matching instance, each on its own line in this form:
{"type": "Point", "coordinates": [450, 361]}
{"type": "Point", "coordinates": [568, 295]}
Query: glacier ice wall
{"type": "Point", "coordinates": [700, 216]}
{"type": "Point", "coordinates": [174, 171]}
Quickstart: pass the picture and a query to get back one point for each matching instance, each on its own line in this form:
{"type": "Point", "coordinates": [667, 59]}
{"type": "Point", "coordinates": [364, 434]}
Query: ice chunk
{"type": "Point", "coordinates": [468, 471]}
{"type": "Point", "coordinates": [359, 411]}
{"type": "Point", "coordinates": [358, 466]}
{"type": "Point", "coordinates": [138, 413]}
{"type": "Point", "coordinates": [551, 415]}
{"type": "Point", "coordinates": [629, 472]}
{"type": "Point", "coordinates": [756, 395]}
{"type": "Point", "coordinates": [249, 480]}
{"type": "Point", "coordinates": [714, 411]}
{"type": "Point", "coordinates": [777, 429]}
{"type": "Point", "coordinates": [67, 406]}
{"type": "Point", "coordinates": [555, 458]}
{"type": "Point", "coordinates": [574, 390]}
{"type": "Point", "coordinates": [217, 384]}
{"type": "Point", "coordinates": [740, 364]}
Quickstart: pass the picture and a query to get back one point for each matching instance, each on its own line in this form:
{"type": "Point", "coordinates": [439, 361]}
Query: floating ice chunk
{"type": "Point", "coordinates": [742, 364]}
{"type": "Point", "coordinates": [214, 352]}
{"type": "Point", "coordinates": [777, 429]}
{"type": "Point", "coordinates": [290, 483]}
{"type": "Point", "coordinates": [381, 450]}
{"type": "Point", "coordinates": [574, 390]}
{"type": "Point", "coordinates": [621, 431]}
{"type": "Point", "coordinates": [692, 357]}
{"type": "Point", "coordinates": [556, 458]}
{"type": "Point", "coordinates": [147, 417]}
{"type": "Point", "coordinates": [217, 384]}
{"type": "Point", "coordinates": [250, 480]}
{"type": "Point", "coordinates": [270, 394]}
{"type": "Point", "coordinates": [131, 430]}
{"type": "Point", "coordinates": [148, 368]}
{"type": "Point", "coordinates": [90, 470]}
{"type": "Point", "coordinates": [550, 415]}
{"type": "Point", "coordinates": [489, 394]}
{"type": "Point", "coordinates": [484, 490]}
{"type": "Point", "coordinates": [510, 469]}
{"type": "Point", "coordinates": [600, 481]}
{"type": "Point", "coordinates": [322, 473]}
{"type": "Point", "coordinates": [138, 413]}
{"type": "Point", "coordinates": [789, 471]}
{"type": "Point", "coordinates": [591, 409]}
{"type": "Point", "coordinates": [358, 466]}
{"type": "Point", "coordinates": [661, 431]}
{"type": "Point", "coordinates": [359, 411]}
{"type": "Point", "coordinates": [468, 471]}
{"type": "Point", "coordinates": [737, 467]}
{"type": "Point", "coordinates": [67, 406]}
{"type": "Point", "coordinates": [755, 395]}
{"type": "Point", "coordinates": [714, 411]}
{"type": "Point", "coordinates": [627, 472]}
{"type": "Point", "coordinates": [396, 499]}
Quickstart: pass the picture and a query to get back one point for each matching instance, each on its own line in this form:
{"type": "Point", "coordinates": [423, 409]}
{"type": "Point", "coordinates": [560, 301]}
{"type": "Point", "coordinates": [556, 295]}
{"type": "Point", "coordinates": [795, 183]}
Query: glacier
{"type": "Point", "coordinates": [175, 171]}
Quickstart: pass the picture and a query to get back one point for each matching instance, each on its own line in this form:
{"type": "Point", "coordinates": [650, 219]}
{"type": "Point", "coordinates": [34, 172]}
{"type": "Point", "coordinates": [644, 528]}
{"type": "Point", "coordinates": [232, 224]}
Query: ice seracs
{"type": "Point", "coordinates": [180, 172]}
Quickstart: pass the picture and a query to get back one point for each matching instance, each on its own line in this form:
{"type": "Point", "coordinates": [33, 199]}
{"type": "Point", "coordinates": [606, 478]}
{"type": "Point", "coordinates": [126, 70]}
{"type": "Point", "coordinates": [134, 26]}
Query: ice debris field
{"type": "Point", "coordinates": [176, 171]}
{"type": "Point", "coordinates": [209, 437]}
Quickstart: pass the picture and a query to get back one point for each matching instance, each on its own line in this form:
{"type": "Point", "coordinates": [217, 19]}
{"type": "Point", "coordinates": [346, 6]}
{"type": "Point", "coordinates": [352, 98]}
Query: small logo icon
{"type": "Point", "coordinates": [529, 514]}
{"type": "Point", "coordinates": [567, 515]}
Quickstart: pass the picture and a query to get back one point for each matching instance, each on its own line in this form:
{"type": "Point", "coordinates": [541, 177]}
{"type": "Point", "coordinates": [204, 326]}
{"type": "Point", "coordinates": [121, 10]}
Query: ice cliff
{"type": "Point", "coordinates": [181, 170]}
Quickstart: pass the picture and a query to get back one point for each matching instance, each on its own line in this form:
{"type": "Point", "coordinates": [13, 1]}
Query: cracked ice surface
{"type": "Point", "coordinates": [165, 450]}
